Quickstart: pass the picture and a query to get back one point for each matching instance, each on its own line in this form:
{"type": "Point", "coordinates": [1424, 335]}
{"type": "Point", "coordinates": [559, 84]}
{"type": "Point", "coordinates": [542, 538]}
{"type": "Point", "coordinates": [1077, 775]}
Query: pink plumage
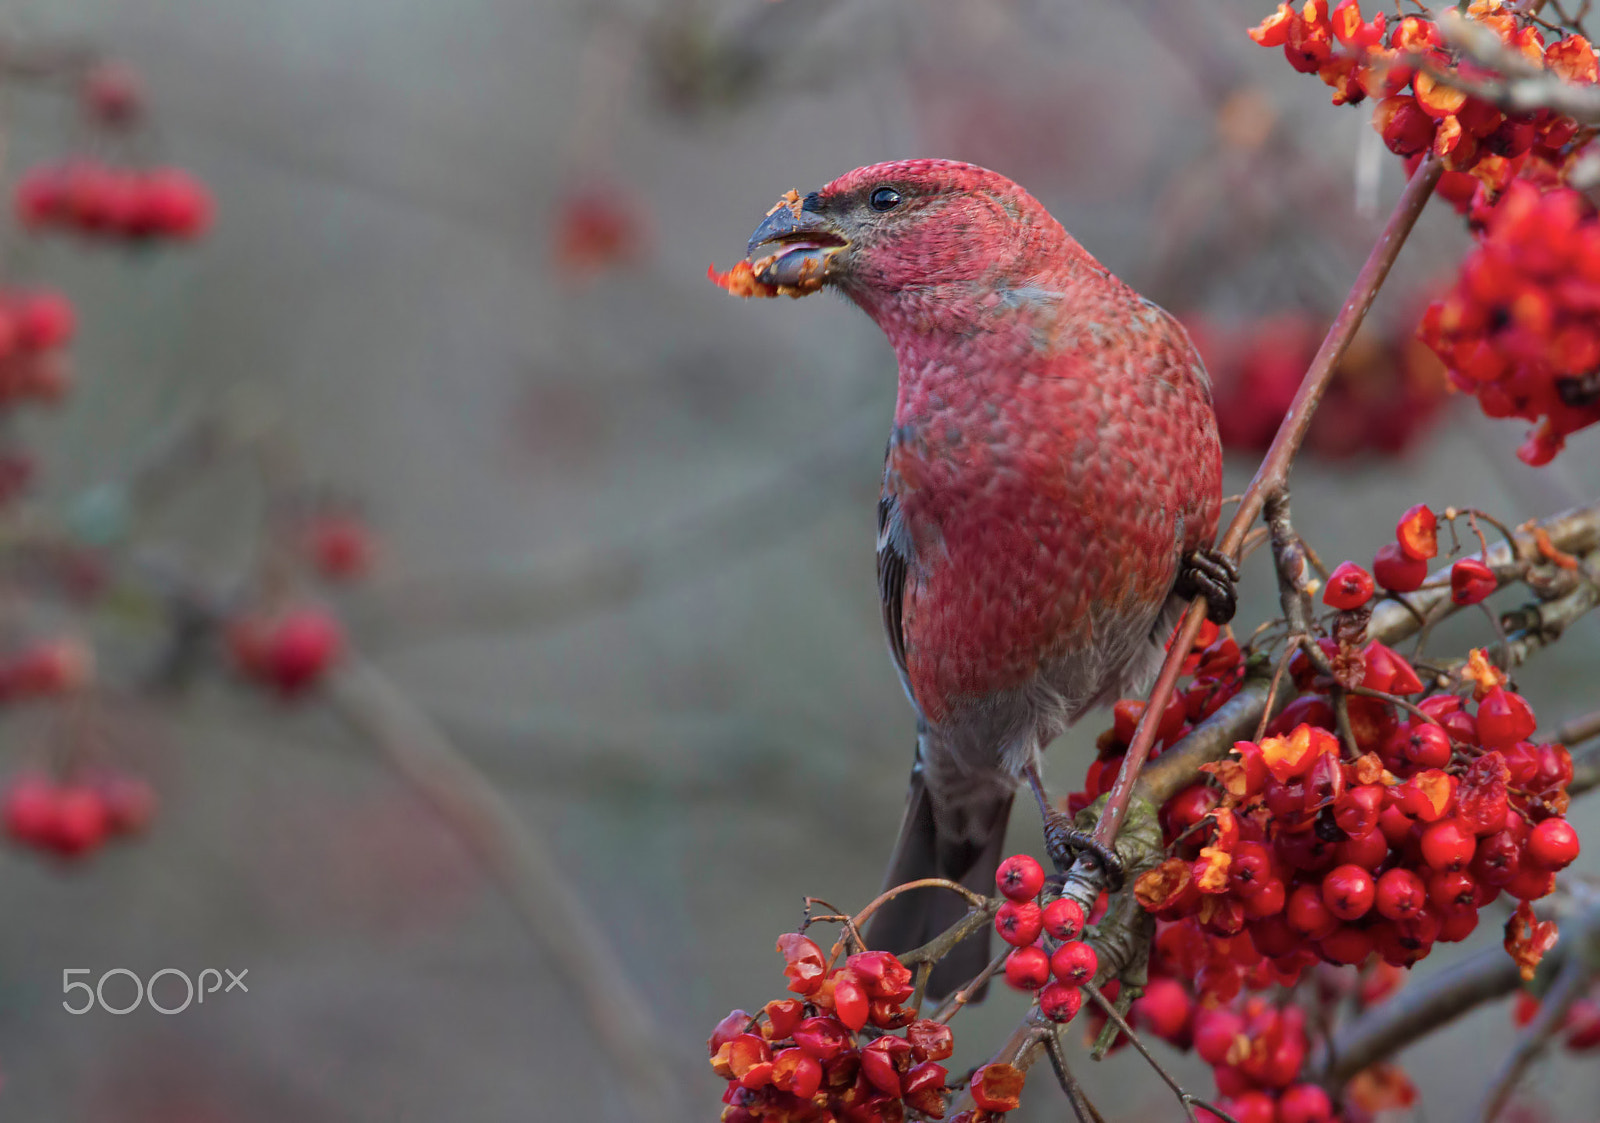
{"type": "Point", "coordinates": [1054, 458]}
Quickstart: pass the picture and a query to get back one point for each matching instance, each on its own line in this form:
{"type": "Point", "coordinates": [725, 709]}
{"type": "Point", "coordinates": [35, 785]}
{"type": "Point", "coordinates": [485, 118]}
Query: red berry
{"type": "Point", "coordinates": [923, 1088]}
{"type": "Point", "coordinates": [1365, 850]}
{"type": "Point", "coordinates": [1400, 894]}
{"type": "Point", "coordinates": [1553, 844]}
{"type": "Point", "coordinates": [1028, 968]}
{"type": "Point", "coordinates": [1250, 869]}
{"type": "Point", "coordinates": [1356, 811]}
{"type": "Point", "coordinates": [81, 822]}
{"type": "Point", "coordinates": [1531, 883]}
{"type": "Point", "coordinates": [1348, 892]}
{"type": "Point", "coordinates": [1504, 719]}
{"type": "Point", "coordinates": [1346, 944]}
{"type": "Point", "coordinates": [1397, 572]}
{"type": "Point", "coordinates": [1063, 919]}
{"type": "Point", "coordinates": [291, 652]}
{"type": "Point", "coordinates": [881, 1062]}
{"type": "Point", "coordinates": [1349, 586]}
{"type": "Point", "coordinates": [173, 202]}
{"type": "Point", "coordinates": [1164, 1010]}
{"type": "Point", "coordinates": [1267, 900]}
{"type": "Point", "coordinates": [1583, 1025]}
{"type": "Point", "coordinates": [44, 320]}
{"type": "Point", "coordinates": [1216, 1029]}
{"type": "Point", "coordinates": [1458, 926]}
{"type": "Point", "coordinates": [1019, 878]}
{"type": "Point", "coordinates": [1251, 1107]}
{"type": "Point", "coordinates": [1418, 533]}
{"type": "Point", "coordinates": [1471, 581]}
{"type": "Point", "coordinates": [1448, 844]}
{"type": "Point", "coordinates": [797, 1072]}
{"type": "Point", "coordinates": [850, 1001]}
{"type": "Point", "coordinates": [1074, 963]}
{"type": "Point", "coordinates": [882, 975]}
{"type": "Point", "coordinates": [1307, 913]}
{"type": "Point", "coordinates": [1424, 744]}
{"type": "Point", "coordinates": [1304, 1103]}
{"type": "Point", "coordinates": [823, 1038]}
{"type": "Point", "coordinates": [1497, 859]}
{"type": "Point", "coordinates": [726, 1030]}
{"type": "Point", "coordinates": [1059, 1002]}
{"type": "Point", "coordinates": [1019, 922]}
{"type": "Point", "coordinates": [1452, 891]}
{"type": "Point", "coordinates": [30, 809]}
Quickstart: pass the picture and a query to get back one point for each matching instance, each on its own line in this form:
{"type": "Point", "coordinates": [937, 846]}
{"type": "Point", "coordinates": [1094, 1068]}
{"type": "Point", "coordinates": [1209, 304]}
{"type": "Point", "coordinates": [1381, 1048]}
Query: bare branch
{"type": "Point", "coordinates": [547, 906]}
{"type": "Point", "coordinates": [1420, 1009]}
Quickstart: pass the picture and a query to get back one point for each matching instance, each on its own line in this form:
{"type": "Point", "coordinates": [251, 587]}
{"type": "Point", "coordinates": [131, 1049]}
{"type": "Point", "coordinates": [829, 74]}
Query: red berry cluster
{"type": "Point", "coordinates": [288, 651]}
{"type": "Point", "coordinates": [1415, 112]}
{"type": "Point", "coordinates": [34, 327]}
{"type": "Point", "coordinates": [1293, 853]}
{"type": "Point", "coordinates": [1401, 566]}
{"type": "Point", "coordinates": [831, 1053]}
{"type": "Point", "coordinates": [1387, 390]}
{"type": "Point", "coordinates": [137, 204]}
{"type": "Point", "coordinates": [1056, 976]}
{"type": "Point", "coordinates": [1519, 327]}
{"type": "Point", "coordinates": [74, 818]}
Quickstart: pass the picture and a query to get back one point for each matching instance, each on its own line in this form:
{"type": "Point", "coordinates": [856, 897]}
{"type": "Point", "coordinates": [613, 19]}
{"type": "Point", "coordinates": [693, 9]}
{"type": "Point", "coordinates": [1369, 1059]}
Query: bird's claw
{"type": "Point", "coordinates": [1063, 842]}
{"type": "Point", "coordinates": [1212, 574]}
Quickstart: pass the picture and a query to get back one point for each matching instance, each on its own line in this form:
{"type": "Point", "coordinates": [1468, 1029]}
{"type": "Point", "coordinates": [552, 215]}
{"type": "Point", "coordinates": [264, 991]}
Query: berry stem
{"type": "Point", "coordinates": [1274, 471]}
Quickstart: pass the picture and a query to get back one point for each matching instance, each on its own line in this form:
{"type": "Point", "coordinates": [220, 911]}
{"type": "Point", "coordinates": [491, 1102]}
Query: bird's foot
{"type": "Point", "coordinates": [1212, 574]}
{"type": "Point", "coordinates": [1063, 842]}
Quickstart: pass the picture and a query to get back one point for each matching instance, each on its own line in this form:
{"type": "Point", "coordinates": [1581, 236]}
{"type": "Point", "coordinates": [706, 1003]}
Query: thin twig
{"type": "Point", "coordinates": [963, 996]}
{"type": "Point", "coordinates": [1188, 1100]}
{"type": "Point", "coordinates": [1577, 730]}
{"type": "Point", "coordinates": [1081, 1106]}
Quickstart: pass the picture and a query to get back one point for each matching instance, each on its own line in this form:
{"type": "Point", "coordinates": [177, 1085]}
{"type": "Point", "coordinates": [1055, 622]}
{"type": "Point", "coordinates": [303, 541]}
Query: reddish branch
{"type": "Point", "coordinates": [1274, 472]}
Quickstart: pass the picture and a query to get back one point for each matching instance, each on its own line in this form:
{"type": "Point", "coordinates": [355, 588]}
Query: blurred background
{"type": "Point", "coordinates": [625, 523]}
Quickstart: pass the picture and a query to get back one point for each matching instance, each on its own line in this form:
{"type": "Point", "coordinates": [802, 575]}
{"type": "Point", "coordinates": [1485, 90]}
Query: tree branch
{"type": "Point", "coordinates": [552, 912]}
{"type": "Point", "coordinates": [1420, 1009]}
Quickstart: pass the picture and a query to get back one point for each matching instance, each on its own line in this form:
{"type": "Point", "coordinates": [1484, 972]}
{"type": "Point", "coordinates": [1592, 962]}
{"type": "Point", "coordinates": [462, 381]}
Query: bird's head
{"type": "Point", "coordinates": [881, 231]}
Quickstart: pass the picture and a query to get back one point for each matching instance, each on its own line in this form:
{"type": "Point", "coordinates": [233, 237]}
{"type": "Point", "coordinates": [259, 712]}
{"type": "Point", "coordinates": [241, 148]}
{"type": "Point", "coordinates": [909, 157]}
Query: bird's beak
{"type": "Point", "coordinates": [795, 248]}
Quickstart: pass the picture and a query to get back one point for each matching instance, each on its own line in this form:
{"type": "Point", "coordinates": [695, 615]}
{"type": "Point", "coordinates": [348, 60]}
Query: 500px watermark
{"type": "Point", "coordinates": [194, 990]}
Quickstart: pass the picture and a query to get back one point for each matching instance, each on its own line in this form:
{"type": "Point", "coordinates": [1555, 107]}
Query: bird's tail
{"type": "Point", "coordinates": [962, 843]}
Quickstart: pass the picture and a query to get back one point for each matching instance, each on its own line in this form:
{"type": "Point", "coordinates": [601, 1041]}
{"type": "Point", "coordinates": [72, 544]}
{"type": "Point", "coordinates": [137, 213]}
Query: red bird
{"type": "Point", "coordinates": [1050, 491]}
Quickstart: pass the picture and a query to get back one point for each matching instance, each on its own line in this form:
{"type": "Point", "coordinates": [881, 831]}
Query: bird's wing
{"type": "Point", "coordinates": [892, 565]}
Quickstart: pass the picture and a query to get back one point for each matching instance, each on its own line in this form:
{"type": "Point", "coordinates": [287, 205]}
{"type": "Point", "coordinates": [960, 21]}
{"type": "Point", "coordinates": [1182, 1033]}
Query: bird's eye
{"type": "Point", "coordinates": [884, 198]}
